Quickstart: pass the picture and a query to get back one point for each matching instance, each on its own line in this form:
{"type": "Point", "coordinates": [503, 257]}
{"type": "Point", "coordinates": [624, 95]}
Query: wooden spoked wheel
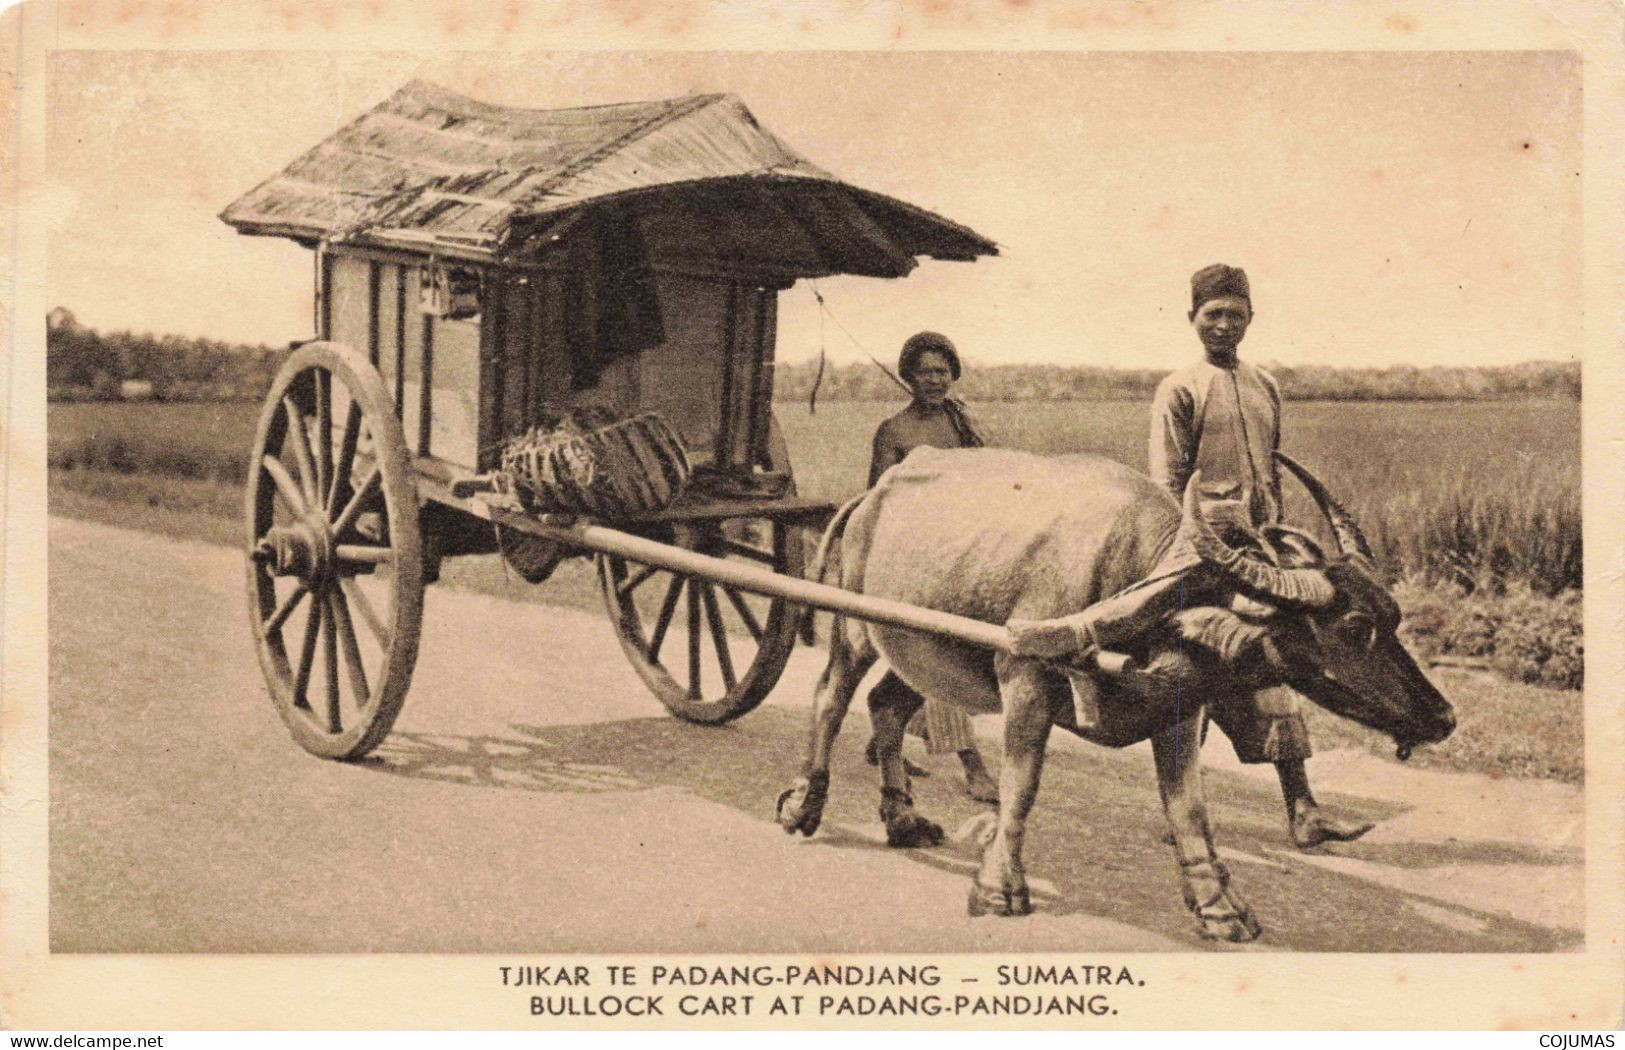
{"type": "Point", "coordinates": [707, 650]}
{"type": "Point", "coordinates": [729, 647]}
{"type": "Point", "coordinates": [335, 562]}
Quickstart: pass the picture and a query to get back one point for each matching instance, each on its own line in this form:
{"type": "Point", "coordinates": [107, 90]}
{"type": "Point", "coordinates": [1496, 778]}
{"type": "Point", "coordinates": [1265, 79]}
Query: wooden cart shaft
{"type": "Point", "coordinates": [603, 540]}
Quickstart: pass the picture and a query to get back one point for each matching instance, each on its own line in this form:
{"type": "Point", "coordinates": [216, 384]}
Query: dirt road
{"type": "Point", "coordinates": [535, 798]}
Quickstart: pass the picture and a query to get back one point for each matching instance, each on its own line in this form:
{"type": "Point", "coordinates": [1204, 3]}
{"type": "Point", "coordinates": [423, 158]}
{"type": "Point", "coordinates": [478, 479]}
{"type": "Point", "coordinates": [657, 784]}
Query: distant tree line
{"type": "Point", "coordinates": [1530, 380]}
{"type": "Point", "coordinates": [84, 364]}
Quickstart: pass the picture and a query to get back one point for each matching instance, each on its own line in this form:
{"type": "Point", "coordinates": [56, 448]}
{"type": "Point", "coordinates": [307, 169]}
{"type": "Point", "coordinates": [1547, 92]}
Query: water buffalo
{"type": "Point", "coordinates": [1007, 537]}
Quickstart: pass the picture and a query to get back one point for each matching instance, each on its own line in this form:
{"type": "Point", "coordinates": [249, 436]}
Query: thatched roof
{"type": "Point", "coordinates": [432, 171]}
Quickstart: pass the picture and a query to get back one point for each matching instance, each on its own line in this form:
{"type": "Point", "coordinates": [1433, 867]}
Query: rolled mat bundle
{"type": "Point", "coordinates": [623, 469]}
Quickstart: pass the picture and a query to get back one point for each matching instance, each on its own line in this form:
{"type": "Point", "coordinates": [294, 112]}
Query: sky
{"type": "Point", "coordinates": [1397, 208]}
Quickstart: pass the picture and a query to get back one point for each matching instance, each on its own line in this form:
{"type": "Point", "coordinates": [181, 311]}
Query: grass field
{"type": "Point", "coordinates": [203, 440]}
{"type": "Point", "coordinates": [1481, 494]}
{"type": "Point", "coordinates": [1477, 493]}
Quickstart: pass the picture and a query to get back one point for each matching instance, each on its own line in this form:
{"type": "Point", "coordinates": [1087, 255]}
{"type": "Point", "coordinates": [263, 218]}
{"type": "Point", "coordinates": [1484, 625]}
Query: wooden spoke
{"type": "Point", "coordinates": [324, 432]}
{"type": "Point", "coordinates": [330, 663]}
{"type": "Point", "coordinates": [364, 553]}
{"type": "Point", "coordinates": [694, 639]}
{"type": "Point", "coordinates": [346, 459]}
{"type": "Point", "coordinates": [307, 654]}
{"type": "Point", "coordinates": [751, 623]}
{"type": "Point", "coordinates": [668, 607]}
{"type": "Point", "coordinates": [290, 492]}
{"type": "Point", "coordinates": [358, 597]}
{"type": "Point", "coordinates": [719, 635]}
{"type": "Point", "coordinates": [745, 672]}
{"type": "Point", "coordinates": [285, 610]}
{"type": "Point", "coordinates": [745, 550]}
{"type": "Point", "coordinates": [364, 493]}
{"type": "Point", "coordinates": [300, 439]}
{"type": "Point", "coordinates": [634, 581]}
{"type": "Point", "coordinates": [352, 648]}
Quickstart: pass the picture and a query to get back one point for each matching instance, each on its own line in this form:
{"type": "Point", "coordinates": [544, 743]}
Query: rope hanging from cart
{"type": "Point", "coordinates": [818, 380]}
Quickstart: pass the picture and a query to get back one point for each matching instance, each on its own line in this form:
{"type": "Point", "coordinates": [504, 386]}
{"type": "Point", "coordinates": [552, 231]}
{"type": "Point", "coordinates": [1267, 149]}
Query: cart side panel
{"type": "Point", "coordinates": [532, 361]}
{"type": "Point", "coordinates": [706, 376]}
{"type": "Point", "coordinates": [544, 354]}
{"type": "Point", "coordinates": [387, 354]}
{"type": "Point", "coordinates": [414, 323]}
{"type": "Point", "coordinates": [513, 304]}
{"type": "Point", "coordinates": [349, 315]}
{"type": "Point", "coordinates": [452, 364]}
{"type": "Point", "coordinates": [694, 377]}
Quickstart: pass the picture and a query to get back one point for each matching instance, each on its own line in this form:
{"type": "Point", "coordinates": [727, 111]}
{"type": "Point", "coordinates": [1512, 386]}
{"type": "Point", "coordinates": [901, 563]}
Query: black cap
{"type": "Point", "coordinates": [1216, 281]}
{"type": "Point", "coordinates": [927, 342]}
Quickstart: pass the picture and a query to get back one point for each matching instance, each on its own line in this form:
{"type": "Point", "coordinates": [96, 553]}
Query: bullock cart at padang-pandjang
{"type": "Point", "coordinates": [550, 333]}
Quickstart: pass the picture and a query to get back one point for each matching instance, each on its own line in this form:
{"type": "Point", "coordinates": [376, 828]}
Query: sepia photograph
{"type": "Point", "coordinates": [945, 533]}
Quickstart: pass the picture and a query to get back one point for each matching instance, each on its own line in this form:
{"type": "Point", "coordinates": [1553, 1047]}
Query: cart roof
{"type": "Point", "coordinates": [431, 171]}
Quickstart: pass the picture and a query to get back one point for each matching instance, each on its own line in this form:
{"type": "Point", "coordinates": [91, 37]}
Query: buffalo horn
{"type": "Point", "coordinates": [1345, 531]}
{"type": "Point", "coordinates": [1301, 587]}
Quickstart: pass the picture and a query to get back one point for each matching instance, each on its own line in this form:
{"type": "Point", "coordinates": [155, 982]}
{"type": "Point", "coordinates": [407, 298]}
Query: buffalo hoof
{"type": "Point", "coordinates": [1311, 828]}
{"type": "Point", "coordinates": [801, 806]}
{"type": "Point", "coordinates": [1220, 912]}
{"type": "Point", "coordinates": [912, 831]}
{"type": "Point", "coordinates": [906, 829]}
{"type": "Point", "coordinates": [1237, 928]}
{"type": "Point", "coordinates": [987, 900]}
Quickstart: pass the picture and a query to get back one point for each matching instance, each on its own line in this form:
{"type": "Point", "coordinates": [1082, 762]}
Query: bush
{"type": "Point", "coordinates": [116, 454]}
{"type": "Point", "coordinates": [1525, 635]}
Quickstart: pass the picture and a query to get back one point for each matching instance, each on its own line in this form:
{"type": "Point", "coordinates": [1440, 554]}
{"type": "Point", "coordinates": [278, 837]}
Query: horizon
{"type": "Point", "coordinates": [1392, 209]}
{"type": "Point", "coordinates": [969, 362]}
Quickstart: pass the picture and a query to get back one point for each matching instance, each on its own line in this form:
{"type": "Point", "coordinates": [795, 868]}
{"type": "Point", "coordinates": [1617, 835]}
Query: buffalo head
{"type": "Point", "coordinates": [1328, 623]}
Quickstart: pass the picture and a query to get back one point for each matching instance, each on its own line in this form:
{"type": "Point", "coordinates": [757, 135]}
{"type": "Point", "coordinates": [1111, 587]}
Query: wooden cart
{"type": "Point", "coordinates": [480, 269]}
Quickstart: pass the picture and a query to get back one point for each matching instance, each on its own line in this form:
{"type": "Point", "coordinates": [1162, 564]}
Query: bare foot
{"type": "Point", "coordinates": [1310, 828]}
{"type": "Point", "coordinates": [979, 784]}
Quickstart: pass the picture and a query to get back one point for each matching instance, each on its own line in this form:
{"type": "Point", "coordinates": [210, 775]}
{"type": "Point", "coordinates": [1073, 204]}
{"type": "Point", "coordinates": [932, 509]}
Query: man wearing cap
{"type": "Point", "coordinates": [1222, 416]}
{"type": "Point", "coordinates": [929, 364]}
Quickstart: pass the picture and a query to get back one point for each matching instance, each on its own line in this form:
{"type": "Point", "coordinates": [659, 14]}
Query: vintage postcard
{"type": "Point", "coordinates": [945, 515]}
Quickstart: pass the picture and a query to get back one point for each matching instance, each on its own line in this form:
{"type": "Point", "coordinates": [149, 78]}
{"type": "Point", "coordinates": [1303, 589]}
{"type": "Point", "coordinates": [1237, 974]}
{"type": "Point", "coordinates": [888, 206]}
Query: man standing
{"type": "Point", "coordinates": [929, 364]}
{"type": "Point", "coordinates": [1222, 416]}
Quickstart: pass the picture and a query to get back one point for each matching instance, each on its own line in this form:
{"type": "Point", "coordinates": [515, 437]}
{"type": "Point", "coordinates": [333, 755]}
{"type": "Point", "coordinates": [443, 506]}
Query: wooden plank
{"type": "Point", "coordinates": [517, 354]}
{"type": "Point", "coordinates": [400, 335]}
{"type": "Point", "coordinates": [458, 383]}
{"type": "Point", "coordinates": [491, 371]}
{"type": "Point", "coordinates": [425, 385]}
{"type": "Point", "coordinates": [408, 382]}
{"type": "Point", "coordinates": [784, 509]}
{"type": "Point", "coordinates": [373, 276]}
{"type": "Point", "coordinates": [550, 346]}
{"type": "Point", "coordinates": [348, 300]}
{"type": "Point", "coordinates": [725, 452]}
{"type": "Point", "coordinates": [681, 378]}
{"type": "Point", "coordinates": [319, 299]}
{"type": "Point", "coordinates": [761, 380]}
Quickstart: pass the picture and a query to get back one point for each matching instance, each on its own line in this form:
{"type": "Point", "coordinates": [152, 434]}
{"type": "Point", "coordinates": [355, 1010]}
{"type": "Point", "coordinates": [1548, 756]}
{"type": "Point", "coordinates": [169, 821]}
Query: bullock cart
{"type": "Point", "coordinates": [486, 280]}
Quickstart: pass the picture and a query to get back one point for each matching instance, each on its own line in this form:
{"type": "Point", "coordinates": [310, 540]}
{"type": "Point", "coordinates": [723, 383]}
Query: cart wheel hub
{"type": "Point", "coordinates": [303, 549]}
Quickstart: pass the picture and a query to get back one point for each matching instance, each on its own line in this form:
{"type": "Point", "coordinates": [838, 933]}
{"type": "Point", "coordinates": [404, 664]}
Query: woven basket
{"type": "Point", "coordinates": [633, 467]}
